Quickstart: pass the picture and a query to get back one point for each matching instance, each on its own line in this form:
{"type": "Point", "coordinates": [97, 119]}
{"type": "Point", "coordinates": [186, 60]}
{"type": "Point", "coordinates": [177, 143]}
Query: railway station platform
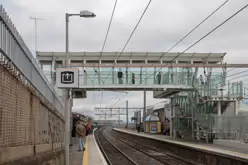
{"type": "Point", "coordinates": [91, 156]}
{"type": "Point", "coordinates": [199, 146]}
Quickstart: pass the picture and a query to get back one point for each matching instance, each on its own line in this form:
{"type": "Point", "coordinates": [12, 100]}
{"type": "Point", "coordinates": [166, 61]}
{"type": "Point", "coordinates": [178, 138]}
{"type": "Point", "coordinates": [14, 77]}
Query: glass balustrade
{"type": "Point", "coordinates": [136, 76]}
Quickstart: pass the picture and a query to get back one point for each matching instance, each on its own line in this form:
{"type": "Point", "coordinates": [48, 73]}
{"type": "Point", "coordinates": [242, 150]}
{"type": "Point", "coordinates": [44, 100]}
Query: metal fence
{"type": "Point", "coordinates": [231, 127]}
{"type": "Point", "coordinates": [14, 50]}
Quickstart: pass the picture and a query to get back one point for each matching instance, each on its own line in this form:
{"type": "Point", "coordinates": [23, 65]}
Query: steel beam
{"type": "Point", "coordinates": [99, 114]}
{"type": "Point", "coordinates": [164, 65]}
{"type": "Point", "coordinates": [117, 108]}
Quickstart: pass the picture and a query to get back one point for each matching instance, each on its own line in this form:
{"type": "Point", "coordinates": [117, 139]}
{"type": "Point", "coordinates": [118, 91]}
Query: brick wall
{"type": "Point", "coordinates": [26, 122]}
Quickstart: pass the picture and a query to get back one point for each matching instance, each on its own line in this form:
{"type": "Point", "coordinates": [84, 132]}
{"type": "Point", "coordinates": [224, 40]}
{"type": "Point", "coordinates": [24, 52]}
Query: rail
{"type": "Point", "coordinates": [101, 148]}
{"type": "Point", "coordinates": [116, 148]}
{"type": "Point", "coordinates": [165, 158]}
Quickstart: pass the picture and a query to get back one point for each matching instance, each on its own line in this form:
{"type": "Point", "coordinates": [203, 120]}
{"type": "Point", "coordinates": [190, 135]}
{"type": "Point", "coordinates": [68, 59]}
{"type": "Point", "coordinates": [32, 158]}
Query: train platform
{"type": "Point", "coordinates": [91, 156]}
{"type": "Point", "coordinates": [205, 147]}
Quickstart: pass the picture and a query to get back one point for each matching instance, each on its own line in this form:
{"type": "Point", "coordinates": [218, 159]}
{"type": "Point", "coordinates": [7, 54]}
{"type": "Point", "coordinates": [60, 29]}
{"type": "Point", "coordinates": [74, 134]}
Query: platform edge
{"type": "Point", "coordinates": [98, 149]}
{"type": "Point", "coordinates": [233, 154]}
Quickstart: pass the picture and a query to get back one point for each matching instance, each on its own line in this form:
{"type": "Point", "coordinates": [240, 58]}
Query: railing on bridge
{"type": "Point", "coordinates": [145, 77]}
{"type": "Point", "coordinates": [14, 51]}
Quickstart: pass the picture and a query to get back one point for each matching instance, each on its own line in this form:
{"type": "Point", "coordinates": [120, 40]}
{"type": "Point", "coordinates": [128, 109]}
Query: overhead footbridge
{"type": "Point", "coordinates": [140, 70]}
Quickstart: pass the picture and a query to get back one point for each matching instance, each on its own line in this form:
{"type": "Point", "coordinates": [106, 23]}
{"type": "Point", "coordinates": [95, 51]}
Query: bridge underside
{"type": "Point", "coordinates": [141, 87]}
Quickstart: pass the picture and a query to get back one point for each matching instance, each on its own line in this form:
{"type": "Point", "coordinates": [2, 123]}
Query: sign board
{"type": "Point", "coordinates": [79, 94]}
{"type": "Point", "coordinates": [153, 127]}
{"type": "Point", "coordinates": [67, 78]}
{"type": "Point", "coordinates": [133, 118]}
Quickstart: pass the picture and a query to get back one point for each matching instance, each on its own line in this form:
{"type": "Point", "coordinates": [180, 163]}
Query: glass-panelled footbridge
{"type": "Point", "coordinates": [135, 79]}
{"type": "Point", "coordinates": [196, 83]}
{"type": "Point", "coordinates": [154, 71]}
{"type": "Point", "coordinates": [132, 70]}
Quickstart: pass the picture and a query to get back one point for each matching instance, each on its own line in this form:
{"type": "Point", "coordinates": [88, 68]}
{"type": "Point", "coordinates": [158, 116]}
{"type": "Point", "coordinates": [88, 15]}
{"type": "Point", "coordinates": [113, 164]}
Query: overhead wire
{"type": "Point", "coordinates": [219, 83]}
{"type": "Point", "coordinates": [201, 39]}
{"type": "Point", "coordinates": [93, 82]}
{"type": "Point", "coordinates": [238, 73]}
{"type": "Point", "coordinates": [127, 42]}
{"type": "Point", "coordinates": [147, 6]}
{"type": "Point", "coordinates": [232, 69]}
{"type": "Point", "coordinates": [105, 40]}
{"type": "Point", "coordinates": [190, 32]}
{"type": "Point", "coordinates": [234, 74]}
{"type": "Point", "coordinates": [221, 24]}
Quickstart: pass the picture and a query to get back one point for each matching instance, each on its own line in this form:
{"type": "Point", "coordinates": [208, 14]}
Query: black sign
{"type": "Point", "coordinates": [67, 77]}
{"type": "Point", "coordinates": [134, 118]}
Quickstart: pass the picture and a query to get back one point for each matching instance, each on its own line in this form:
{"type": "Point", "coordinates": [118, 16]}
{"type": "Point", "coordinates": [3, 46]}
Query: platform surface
{"type": "Point", "coordinates": [91, 156]}
{"type": "Point", "coordinates": [76, 157]}
{"type": "Point", "coordinates": [218, 149]}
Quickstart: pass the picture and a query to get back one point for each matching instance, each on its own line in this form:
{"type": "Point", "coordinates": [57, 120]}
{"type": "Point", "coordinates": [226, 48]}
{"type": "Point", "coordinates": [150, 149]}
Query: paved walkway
{"type": "Point", "coordinates": [75, 155]}
{"type": "Point", "coordinates": [91, 156]}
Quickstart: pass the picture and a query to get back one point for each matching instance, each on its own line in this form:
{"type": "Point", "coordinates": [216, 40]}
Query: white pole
{"type": "Point", "coordinates": [119, 117]}
{"type": "Point", "coordinates": [144, 111]}
{"type": "Point", "coordinates": [127, 112]}
{"type": "Point", "coordinates": [35, 33]}
{"type": "Point", "coordinates": [66, 97]}
{"type": "Point", "coordinates": [219, 108]}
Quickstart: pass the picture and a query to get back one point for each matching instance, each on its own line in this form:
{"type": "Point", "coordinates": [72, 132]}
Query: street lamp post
{"type": "Point", "coordinates": [67, 92]}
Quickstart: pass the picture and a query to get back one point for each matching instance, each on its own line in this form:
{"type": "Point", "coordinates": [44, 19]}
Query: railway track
{"type": "Point", "coordinates": [156, 146]}
{"type": "Point", "coordinates": [163, 157]}
{"type": "Point", "coordinates": [111, 153]}
{"type": "Point", "coordinates": [138, 153]}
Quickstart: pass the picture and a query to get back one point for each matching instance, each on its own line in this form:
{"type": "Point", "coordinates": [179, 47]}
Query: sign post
{"type": "Point", "coordinates": [67, 78]}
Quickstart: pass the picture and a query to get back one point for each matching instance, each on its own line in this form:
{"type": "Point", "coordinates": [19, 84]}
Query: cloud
{"type": "Point", "coordinates": [165, 22]}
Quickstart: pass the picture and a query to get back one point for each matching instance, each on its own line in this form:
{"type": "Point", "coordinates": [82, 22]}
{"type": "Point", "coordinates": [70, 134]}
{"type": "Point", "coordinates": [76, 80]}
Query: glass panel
{"type": "Point", "coordinates": [107, 76]}
{"type": "Point", "coordinates": [90, 76]}
{"type": "Point", "coordinates": [136, 76]}
{"type": "Point", "coordinates": [150, 76]}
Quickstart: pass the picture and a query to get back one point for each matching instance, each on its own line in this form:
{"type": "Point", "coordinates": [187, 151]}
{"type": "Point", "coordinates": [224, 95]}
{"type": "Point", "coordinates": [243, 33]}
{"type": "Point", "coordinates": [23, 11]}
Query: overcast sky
{"type": "Point", "coordinates": [165, 22]}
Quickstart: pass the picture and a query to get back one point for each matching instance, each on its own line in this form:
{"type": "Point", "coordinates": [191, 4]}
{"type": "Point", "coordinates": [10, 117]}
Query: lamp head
{"type": "Point", "coordinates": [87, 14]}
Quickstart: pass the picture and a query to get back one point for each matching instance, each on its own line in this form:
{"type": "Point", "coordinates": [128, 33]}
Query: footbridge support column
{"type": "Point", "coordinates": [144, 111]}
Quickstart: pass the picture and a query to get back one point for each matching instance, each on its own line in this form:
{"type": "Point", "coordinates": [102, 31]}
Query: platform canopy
{"type": "Point", "coordinates": [152, 118]}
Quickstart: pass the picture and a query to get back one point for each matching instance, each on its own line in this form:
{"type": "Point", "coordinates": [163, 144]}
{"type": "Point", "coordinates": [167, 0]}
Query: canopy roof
{"type": "Point", "coordinates": [152, 118]}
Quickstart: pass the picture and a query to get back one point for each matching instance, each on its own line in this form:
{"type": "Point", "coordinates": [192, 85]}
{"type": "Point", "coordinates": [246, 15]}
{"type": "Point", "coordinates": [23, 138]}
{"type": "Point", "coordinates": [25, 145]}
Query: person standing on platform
{"type": "Point", "coordinates": [159, 77]}
{"type": "Point", "coordinates": [133, 78]}
{"type": "Point", "coordinates": [201, 79]}
{"type": "Point", "coordinates": [81, 134]}
{"type": "Point", "coordinates": [120, 76]}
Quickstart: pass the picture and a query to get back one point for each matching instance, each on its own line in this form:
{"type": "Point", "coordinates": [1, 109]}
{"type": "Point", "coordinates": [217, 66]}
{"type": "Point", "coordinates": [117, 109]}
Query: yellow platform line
{"type": "Point", "coordinates": [86, 153]}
